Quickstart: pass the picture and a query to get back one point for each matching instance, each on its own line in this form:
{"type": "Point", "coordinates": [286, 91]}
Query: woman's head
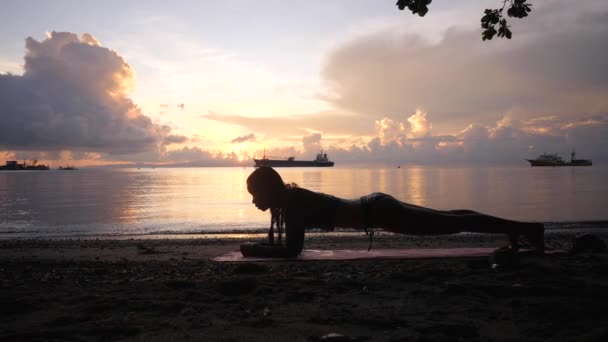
{"type": "Point", "coordinates": [267, 188]}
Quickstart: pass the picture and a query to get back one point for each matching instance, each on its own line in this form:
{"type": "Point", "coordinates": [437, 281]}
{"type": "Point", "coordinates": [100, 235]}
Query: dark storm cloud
{"type": "Point", "coordinates": [73, 96]}
{"type": "Point", "coordinates": [498, 101]}
{"type": "Point", "coordinates": [557, 63]}
{"type": "Point", "coordinates": [242, 139]}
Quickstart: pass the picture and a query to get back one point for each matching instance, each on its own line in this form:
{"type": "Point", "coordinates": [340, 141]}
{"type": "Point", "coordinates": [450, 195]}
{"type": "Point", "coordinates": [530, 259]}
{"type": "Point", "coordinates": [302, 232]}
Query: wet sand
{"type": "Point", "coordinates": [170, 289]}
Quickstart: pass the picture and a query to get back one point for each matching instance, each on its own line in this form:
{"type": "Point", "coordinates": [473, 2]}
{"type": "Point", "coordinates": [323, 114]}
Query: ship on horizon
{"type": "Point", "coordinates": [320, 161]}
{"type": "Point", "coordinates": [13, 165]}
{"type": "Point", "coordinates": [555, 160]}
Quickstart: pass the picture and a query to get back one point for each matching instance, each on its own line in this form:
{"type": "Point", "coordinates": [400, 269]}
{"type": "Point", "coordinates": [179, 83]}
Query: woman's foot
{"type": "Point", "coordinates": [536, 237]}
{"type": "Point", "coordinates": [513, 241]}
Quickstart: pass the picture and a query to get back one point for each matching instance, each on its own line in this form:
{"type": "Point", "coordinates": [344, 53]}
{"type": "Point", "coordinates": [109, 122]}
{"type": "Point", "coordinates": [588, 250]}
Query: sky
{"type": "Point", "coordinates": [216, 83]}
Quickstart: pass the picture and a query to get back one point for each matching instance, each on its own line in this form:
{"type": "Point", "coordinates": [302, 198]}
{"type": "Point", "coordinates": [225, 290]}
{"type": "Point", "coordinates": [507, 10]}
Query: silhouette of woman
{"type": "Point", "coordinates": [297, 209]}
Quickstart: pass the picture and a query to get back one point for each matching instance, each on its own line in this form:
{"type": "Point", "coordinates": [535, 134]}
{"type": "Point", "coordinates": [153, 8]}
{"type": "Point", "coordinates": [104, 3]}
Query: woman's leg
{"type": "Point", "coordinates": [395, 216]}
{"type": "Point", "coordinates": [460, 212]}
{"type": "Point", "coordinates": [481, 223]}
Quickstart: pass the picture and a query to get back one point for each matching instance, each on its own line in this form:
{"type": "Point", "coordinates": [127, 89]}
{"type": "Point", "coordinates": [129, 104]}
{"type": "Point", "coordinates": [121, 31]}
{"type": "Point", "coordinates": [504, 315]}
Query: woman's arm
{"type": "Point", "coordinates": [293, 247]}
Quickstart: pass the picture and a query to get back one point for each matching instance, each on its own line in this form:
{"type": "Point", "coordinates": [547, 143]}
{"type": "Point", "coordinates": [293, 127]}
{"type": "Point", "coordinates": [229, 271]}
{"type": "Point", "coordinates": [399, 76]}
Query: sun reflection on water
{"type": "Point", "coordinates": [214, 200]}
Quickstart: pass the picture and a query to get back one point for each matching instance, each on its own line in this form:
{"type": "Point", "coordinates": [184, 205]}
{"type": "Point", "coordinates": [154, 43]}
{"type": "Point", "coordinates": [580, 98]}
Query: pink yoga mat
{"type": "Point", "coordinates": [349, 254]}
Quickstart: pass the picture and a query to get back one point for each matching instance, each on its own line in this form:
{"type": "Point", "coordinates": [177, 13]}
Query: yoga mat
{"type": "Point", "coordinates": [363, 254]}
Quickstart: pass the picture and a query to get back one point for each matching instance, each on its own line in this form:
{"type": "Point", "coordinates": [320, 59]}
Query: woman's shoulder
{"type": "Point", "coordinates": [307, 199]}
{"type": "Point", "coordinates": [297, 193]}
{"type": "Point", "coordinates": [302, 193]}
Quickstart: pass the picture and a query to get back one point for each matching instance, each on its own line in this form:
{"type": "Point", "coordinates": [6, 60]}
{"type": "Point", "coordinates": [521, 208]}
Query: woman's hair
{"type": "Point", "coordinates": [265, 178]}
{"type": "Point", "coordinates": [268, 179]}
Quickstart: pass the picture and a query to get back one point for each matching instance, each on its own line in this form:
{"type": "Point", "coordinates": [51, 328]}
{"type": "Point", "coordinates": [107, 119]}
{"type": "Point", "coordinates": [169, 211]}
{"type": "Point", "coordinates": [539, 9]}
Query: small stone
{"type": "Point", "coordinates": [587, 243]}
{"type": "Point", "coordinates": [504, 258]}
{"type": "Point", "coordinates": [237, 286]}
{"type": "Point", "coordinates": [453, 288]}
{"type": "Point", "coordinates": [250, 268]}
{"type": "Point", "coordinates": [335, 337]}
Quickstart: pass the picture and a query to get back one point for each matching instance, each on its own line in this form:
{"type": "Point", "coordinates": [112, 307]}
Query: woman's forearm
{"type": "Point", "coordinates": [261, 250]}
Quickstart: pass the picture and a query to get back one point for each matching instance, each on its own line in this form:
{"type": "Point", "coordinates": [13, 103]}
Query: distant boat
{"type": "Point", "coordinates": [320, 161]}
{"type": "Point", "coordinates": [555, 160]}
{"type": "Point", "coordinates": [13, 165]}
{"type": "Point", "coordinates": [67, 168]}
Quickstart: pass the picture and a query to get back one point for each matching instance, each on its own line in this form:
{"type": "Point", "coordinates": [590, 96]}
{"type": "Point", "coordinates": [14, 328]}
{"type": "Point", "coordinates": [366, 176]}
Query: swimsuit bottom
{"type": "Point", "coordinates": [368, 201]}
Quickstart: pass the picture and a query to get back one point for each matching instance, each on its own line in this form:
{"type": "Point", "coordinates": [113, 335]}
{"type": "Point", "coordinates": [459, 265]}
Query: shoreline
{"type": "Point", "coordinates": [205, 247]}
{"type": "Point", "coordinates": [585, 226]}
{"type": "Point", "coordinates": [170, 289]}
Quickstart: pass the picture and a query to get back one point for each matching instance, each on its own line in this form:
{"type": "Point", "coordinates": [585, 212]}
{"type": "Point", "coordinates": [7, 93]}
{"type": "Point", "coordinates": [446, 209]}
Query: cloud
{"type": "Point", "coordinates": [556, 64]}
{"type": "Point", "coordinates": [414, 130]}
{"type": "Point", "coordinates": [195, 156]}
{"type": "Point", "coordinates": [499, 101]}
{"type": "Point", "coordinates": [188, 154]}
{"type": "Point", "coordinates": [197, 138]}
{"type": "Point", "coordinates": [174, 139]}
{"type": "Point", "coordinates": [505, 141]}
{"type": "Point", "coordinates": [73, 95]}
{"type": "Point", "coordinates": [244, 138]}
{"type": "Point", "coordinates": [420, 127]}
{"type": "Point", "coordinates": [410, 138]}
{"type": "Point", "coordinates": [312, 143]}
{"type": "Point", "coordinates": [298, 124]}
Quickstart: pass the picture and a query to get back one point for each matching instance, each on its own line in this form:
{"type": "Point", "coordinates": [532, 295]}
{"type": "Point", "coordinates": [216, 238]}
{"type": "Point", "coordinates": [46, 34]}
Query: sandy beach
{"type": "Point", "coordinates": [170, 289]}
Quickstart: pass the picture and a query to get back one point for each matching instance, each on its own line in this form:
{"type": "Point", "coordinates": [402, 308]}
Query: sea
{"type": "Point", "coordinates": [178, 202]}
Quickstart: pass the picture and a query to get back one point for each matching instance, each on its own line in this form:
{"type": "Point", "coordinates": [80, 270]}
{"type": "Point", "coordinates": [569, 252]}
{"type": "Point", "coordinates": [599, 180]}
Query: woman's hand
{"type": "Point", "coordinates": [263, 250]}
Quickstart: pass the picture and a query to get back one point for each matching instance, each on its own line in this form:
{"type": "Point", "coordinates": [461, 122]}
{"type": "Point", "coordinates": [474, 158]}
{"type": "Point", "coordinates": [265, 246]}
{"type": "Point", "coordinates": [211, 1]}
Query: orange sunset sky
{"type": "Point", "coordinates": [210, 83]}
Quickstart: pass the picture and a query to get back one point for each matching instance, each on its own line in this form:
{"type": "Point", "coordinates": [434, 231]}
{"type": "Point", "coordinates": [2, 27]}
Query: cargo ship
{"type": "Point", "coordinates": [555, 160]}
{"type": "Point", "coordinates": [320, 161]}
{"type": "Point", "coordinates": [13, 165]}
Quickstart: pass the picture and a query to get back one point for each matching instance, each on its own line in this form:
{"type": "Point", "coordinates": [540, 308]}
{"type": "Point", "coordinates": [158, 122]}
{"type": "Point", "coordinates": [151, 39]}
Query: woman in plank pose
{"type": "Point", "coordinates": [296, 209]}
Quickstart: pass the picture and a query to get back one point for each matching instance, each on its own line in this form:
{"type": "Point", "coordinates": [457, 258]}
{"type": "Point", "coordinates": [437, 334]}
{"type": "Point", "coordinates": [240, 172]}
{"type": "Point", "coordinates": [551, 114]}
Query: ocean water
{"type": "Point", "coordinates": [102, 202]}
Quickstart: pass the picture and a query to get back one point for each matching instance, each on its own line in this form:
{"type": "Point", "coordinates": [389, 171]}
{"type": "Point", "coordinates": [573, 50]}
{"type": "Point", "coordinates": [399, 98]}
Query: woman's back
{"type": "Point", "coordinates": [311, 209]}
